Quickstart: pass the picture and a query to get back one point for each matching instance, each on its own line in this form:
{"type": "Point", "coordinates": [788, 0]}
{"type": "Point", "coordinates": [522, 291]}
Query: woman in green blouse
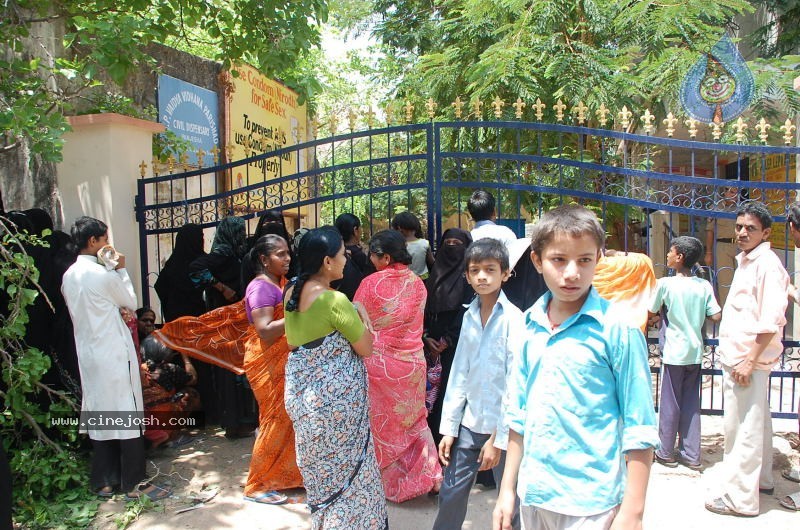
{"type": "Point", "coordinates": [326, 391]}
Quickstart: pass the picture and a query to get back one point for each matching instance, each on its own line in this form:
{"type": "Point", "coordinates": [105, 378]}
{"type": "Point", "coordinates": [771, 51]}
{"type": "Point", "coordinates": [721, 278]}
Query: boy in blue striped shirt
{"type": "Point", "coordinates": [580, 407]}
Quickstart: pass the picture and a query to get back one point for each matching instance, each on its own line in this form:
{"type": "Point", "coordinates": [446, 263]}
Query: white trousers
{"type": "Point", "coordinates": [534, 518]}
{"type": "Point", "coordinates": [747, 462]}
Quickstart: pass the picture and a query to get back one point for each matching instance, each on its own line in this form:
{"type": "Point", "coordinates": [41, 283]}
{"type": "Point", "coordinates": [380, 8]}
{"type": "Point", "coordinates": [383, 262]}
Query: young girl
{"type": "Point", "coordinates": [421, 257]}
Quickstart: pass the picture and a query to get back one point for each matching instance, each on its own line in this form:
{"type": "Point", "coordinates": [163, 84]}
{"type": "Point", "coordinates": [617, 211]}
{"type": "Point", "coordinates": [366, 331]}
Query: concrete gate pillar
{"type": "Point", "coordinates": [98, 174]}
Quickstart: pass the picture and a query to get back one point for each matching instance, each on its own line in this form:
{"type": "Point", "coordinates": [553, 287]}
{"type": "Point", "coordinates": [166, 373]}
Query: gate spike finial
{"type": "Point", "coordinates": [457, 105]}
{"type": "Point", "coordinates": [740, 126]}
{"type": "Point", "coordinates": [539, 108]}
{"type": "Point", "coordinates": [333, 123]}
{"type": "Point", "coordinates": [497, 105]}
{"type": "Point", "coordinates": [184, 158]}
{"type": "Point", "coordinates": [314, 128]}
{"type": "Point", "coordinates": [370, 114]}
{"type": "Point", "coordinates": [716, 129]}
{"type": "Point", "coordinates": [602, 114]}
{"type": "Point", "coordinates": [409, 108]}
{"type": "Point", "coordinates": [262, 143]}
{"type": "Point", "coordinates": [669, 121]}
{"type": "Point", "coordinates": [477, 104]}
{"type": "Point", "coordinates": [787, 129]}
{"type": "Point", "coordinates": [762, 127]}
{"type": "Point", "coordinates": [352, 117]}
{"type": "Point", "coordinates": [648, 118]}
{"type": "Point", "coordinates": [430, 108]}
{"type": "Point", "coordinates": [389, 111]}
{"type": "Point", "coordinates": [171, 162]}
{"type": "Point", "coordinates": [215, 154]}
{"type": "Point", "coordinates": [229, 152]}
{"type": "Point", "coordinates": [200, 157]}
{"type": "Point", "coordinates": [154, 164]}
{"type": "Point", "coordinates": [580, 110]}
{"type": "Point", "coordinates": [142, 168]}
{"type": "Point", "coordinates": [691, 123]}
{"type": "Point", "coordinates": [625, 117]}
{"type": "Point", "coordinates": [559, 108]}
{"type": "Point", "coordinates": [518, 105]}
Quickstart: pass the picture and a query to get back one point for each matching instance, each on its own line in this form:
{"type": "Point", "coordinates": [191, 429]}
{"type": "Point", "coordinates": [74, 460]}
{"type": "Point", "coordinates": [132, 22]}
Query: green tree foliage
{"type": "Point", "coordinates": [105, 39]}
{"type": "Point", "coordinates": [780, 35]}
{"type": "Point", "coordinates": [612, 52]}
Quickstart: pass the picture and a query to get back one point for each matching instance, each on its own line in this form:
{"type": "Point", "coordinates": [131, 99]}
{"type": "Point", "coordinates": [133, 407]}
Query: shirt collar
{"type": "Point", "coordinates": [484, 223]}
{"type": "Point", "coordinates": [592, 307]}
{"type": "Point", "coordinates": [755, 253]}
{"type": "Point", "coordinates": [474, 307]}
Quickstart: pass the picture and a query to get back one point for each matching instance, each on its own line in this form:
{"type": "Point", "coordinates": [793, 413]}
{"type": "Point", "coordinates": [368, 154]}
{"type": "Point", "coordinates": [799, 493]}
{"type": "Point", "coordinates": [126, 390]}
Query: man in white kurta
{"type": "Point", "coordinates": [107, 359]}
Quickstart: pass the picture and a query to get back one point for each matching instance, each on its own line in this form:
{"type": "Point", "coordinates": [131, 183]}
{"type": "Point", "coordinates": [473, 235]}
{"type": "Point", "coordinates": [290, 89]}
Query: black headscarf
{"type": "Point", "coordinates": [446, 282]}
{"type": "Point", "coordinates": [271, 222]}
{"type": "Point", "coordinates": [188, 244]}
{"type": "Point", "coordinates": [229, 239]}
{"type": "Point", "coordinates": [40, 219]}
{"type": "Point", "coordinates": [175, 290]}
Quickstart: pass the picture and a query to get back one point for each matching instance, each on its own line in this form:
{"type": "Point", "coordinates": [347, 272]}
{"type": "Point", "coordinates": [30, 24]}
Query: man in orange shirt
{"type": "Point", "coordinates": [749, 346]}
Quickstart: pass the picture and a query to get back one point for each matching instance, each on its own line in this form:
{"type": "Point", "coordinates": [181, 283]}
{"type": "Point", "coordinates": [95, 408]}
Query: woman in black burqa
{"type": "Point", "coordinates": [448, 291]}
{"type": "Point", "coordinates": [178, 295]}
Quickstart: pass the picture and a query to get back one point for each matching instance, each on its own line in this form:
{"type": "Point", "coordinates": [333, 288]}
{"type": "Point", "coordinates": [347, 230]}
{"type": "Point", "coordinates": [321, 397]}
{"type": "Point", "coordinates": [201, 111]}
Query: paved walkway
{"type": "Point", "coordinates": [214, 464]}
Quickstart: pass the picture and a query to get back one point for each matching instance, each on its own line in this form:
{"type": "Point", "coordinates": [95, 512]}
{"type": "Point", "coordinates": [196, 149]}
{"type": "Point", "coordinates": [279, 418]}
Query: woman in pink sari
{"type": "Point", "coordinates": [395, 297]}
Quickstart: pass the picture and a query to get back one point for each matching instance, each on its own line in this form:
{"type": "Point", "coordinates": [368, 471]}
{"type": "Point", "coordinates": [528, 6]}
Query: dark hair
{"type": "Point", "coordinates": [155, 351]}
{"type": "Point", "coordinates": [756, 209]}
{"type": "Point", "coordinates": [689, 247]}
{"type": "Point", "coordinates": [142, 310]}
{"type": "Point", "coordinates": [487, 248]}
{"type": "Point", "coordinates": [571, 219]}
{"type": "Point", "coordinates": [315, 246]}
{"type": "Point", "coordinates": [86, 228]}
{"type": "Point", "coordinates": [346, 224]}
{"type": "Point", "coordinates": [793, 216]}
{"type": "Point", "coordinates": [265, 245]}
{"type": "Point", "coordinates": [481, 205]}
{"type": "Point", "coordinates": [407, 221]}
{"type": "Point", "coordinates": [391, 243]}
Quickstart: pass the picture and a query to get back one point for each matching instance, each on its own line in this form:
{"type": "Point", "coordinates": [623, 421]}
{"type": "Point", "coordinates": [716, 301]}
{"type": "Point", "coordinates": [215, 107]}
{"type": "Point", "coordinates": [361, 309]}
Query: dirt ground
{"type": "Point", "coordinates": [212, 466]}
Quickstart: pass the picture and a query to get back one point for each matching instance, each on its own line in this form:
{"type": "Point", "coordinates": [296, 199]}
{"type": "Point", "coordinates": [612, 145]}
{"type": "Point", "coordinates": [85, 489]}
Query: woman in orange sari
{"type": "Point", "coordinates": [394, 298]}
{"type": "Point", "coordinates": [224, 338]}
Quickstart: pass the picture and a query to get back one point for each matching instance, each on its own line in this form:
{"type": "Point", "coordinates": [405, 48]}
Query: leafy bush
{"type": "Point", "coordinates": [48, 468]}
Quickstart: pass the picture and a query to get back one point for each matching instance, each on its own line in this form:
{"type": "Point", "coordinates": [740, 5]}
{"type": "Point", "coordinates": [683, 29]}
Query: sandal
{"type": "Point", "coordinates": [151, 491]}
{"type": "Point", "coordinates": [791, 502]}
{"type": "Point", "coordinates": [666, 462]}
{"type": "Point", "coordinates": [268, 497]}
{"type": "Point", "coordinates": [106, 492]}
{"type": "Point", "coordinates": [718, 506]}
{"type": "Point", "coordinates": [791, 474]}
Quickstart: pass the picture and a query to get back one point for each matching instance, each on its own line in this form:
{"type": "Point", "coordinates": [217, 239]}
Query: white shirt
{"type": "Point", "coordinates": [491, 229]}
{"type": "Point", "coordinates": [482, 363]}
{"type": "Point", "coordinates": [107, 358]}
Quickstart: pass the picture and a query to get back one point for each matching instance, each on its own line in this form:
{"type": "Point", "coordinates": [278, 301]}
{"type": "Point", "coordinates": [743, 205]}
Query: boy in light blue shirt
{"type": "Point", "coordinates": [687, 301]}
{"type": "Point", "coordinates": [491, 335]}
{"type": "Point", "coordinates": [580, 410]}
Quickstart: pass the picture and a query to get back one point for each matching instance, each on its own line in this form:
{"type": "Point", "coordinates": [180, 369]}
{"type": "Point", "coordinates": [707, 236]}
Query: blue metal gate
{"type": "Point", "coordinates": [643, 187]}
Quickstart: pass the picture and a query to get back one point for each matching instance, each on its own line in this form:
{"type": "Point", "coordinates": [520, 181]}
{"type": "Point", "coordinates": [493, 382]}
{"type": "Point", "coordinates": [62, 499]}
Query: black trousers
{"type": "Point", "coordinates": [5, 491]}
{"type": "Point", "coordinates": [117, 463]}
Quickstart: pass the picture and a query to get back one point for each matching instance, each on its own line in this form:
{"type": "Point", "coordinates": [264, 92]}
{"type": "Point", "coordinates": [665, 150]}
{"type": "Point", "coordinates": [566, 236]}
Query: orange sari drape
{"type": "Point", "coordinates": [224, 337]}
{"type": "Point", "coordinates": [273, 465]}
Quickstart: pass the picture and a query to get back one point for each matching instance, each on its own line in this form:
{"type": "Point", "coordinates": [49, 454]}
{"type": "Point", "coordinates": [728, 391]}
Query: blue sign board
{"type": "Point", "coordinates": [190, 112]}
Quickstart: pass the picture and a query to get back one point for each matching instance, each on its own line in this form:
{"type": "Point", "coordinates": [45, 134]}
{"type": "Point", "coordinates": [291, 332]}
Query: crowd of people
{"type": "Point", "coordinates": [386, 372]}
